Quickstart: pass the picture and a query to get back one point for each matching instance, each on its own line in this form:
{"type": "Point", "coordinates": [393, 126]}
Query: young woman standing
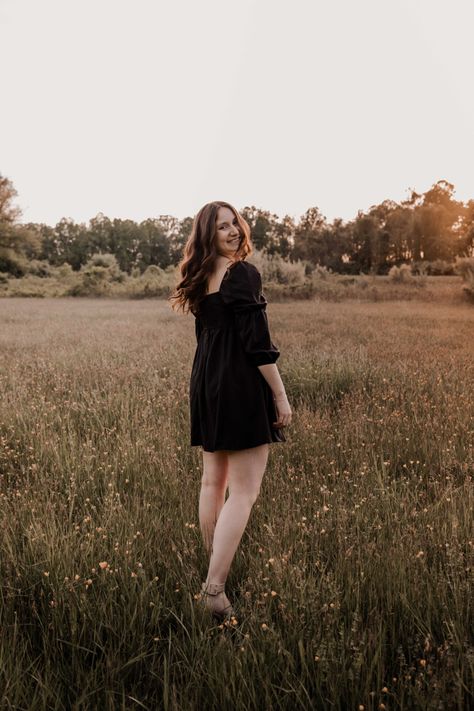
{"type": "Point", "coordinates": [238, 403]}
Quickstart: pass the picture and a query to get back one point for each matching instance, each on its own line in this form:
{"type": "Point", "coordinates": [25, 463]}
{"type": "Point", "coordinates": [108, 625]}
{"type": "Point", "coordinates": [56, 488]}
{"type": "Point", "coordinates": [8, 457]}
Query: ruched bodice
{"type": "Point", "coordinates": [214, 314]}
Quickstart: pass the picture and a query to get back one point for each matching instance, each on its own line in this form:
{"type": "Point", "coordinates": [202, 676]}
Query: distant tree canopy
{"type": "Point", "coordinates": [425, 227]}
{"type": "Point", "coordinates": [18, 243]}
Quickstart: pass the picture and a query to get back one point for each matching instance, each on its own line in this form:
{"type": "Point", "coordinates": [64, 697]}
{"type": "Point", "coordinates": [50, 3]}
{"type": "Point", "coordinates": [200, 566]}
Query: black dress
{"type": "Point", "coordinates": [231, 403]}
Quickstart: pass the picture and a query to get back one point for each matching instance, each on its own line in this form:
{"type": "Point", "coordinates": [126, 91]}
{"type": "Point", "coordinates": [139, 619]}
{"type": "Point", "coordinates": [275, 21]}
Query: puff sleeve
{"type": "Point", "coordinates": [241, 291]}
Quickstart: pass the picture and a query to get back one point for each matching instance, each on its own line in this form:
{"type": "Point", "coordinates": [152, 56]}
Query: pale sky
{"type": "Point", "coordinates": [154, 107]}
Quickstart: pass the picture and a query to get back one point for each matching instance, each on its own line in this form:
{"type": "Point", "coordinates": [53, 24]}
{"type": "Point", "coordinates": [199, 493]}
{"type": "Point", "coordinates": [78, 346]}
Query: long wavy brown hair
{"type": "Point", "coordinates": [200, 253]}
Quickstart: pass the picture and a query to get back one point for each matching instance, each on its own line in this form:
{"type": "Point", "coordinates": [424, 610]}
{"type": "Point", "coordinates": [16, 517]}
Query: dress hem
{"type": "Point", "coordinates": [238, 449]}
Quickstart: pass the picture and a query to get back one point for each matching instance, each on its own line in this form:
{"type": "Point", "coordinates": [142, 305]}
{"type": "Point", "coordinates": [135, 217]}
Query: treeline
{"type": "Point", "coordinates": [426, 227]}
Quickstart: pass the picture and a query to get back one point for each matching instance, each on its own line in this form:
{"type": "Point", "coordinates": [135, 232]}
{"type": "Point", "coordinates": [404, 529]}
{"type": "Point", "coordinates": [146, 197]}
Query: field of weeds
{"type": "Point", "coordinates": [353, 580]}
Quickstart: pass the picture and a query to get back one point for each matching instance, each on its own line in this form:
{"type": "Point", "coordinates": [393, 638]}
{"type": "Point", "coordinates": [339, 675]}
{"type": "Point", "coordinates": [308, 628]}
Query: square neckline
{"type": "Point", "coordinates": [211, 293]}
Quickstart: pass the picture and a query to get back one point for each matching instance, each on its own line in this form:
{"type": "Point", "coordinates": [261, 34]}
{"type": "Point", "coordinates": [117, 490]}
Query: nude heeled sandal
{"type": "Point", "coordinates": [214, 589]}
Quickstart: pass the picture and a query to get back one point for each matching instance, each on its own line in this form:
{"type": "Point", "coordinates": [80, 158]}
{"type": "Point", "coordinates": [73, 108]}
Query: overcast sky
{"type": "Point", "coordinates": [148, 107]}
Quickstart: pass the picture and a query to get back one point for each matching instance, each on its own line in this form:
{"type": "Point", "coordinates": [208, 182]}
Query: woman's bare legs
{"type": "Point", "coordinates": [213, 488]}
{"type": "Point", "coordinates": [245, 469]}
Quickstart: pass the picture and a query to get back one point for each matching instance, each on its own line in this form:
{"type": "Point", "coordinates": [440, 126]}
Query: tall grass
{"type": "Point", "coordinates": [353, 581]}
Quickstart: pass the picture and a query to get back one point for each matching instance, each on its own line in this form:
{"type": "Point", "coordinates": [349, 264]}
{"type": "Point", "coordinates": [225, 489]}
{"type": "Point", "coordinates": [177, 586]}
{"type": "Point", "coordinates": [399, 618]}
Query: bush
{"type": "Point", "coordinates": [464, 266]}
{"type": "Point", "coordinates": [64, 271]}
{"type": "Point", "coordinates": [97, 276]}
{"type": "Point", "coordinates": [40, 268]}
{"type": "Point", "coordinates": [404, 275]}
{"type": "Point", "coordinates": [13, 264]}
{"type": "Point", "coordinates": [321, 272]}
{"type": "Point", "coordinates": [106, 260]}
{"type": "Point", "coordinates": [438, 267]}
{"type": "Point", "coordinates": [276, 270]}
{"type": "Point", "coordinates": [154, 282]}
{"type": "Point", "coordinates": [420, 268]}
{"type": "Point", "coordinates": [401, 274]}
{"type": "Point", "coordinates": [153, 271]}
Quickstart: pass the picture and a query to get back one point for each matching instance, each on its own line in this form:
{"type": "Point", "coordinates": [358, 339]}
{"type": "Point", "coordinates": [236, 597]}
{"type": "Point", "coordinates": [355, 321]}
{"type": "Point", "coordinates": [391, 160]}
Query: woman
{"type": "Point", "coordinates": [238, 403]}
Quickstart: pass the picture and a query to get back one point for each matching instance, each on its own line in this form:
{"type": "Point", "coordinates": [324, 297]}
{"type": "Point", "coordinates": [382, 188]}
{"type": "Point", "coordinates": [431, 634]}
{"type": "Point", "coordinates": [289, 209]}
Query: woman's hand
{"type": "Point", "coordinates": [283, 411]}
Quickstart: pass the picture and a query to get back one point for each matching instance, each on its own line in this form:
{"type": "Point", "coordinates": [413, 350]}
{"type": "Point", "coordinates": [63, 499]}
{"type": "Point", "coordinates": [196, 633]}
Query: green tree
{"type": "Point", "coordinates": [72, 243]}
{"type": "Point", "coordinates": [119, 237]}
{"type": "Point", "coordinates": [179, 238]}
{"type": "Point", "coordinates": [281, 236]}
{"type": "Point", "coordinates": [309, 242]}
{"type": "Point", "coordinates": [436, 219]}
{"type": "Point", "coordinates": [262, 225]}
{"type": "Point", "coordinates": [365, 242]}
{"type": "Point", "coordinates": [155, 236]}
{"type": "Point", "coordinates": [17, 242]}
{"type": "Point", "coordinates": [466, 231]}
{"type": "Point", "coordinates": [403, 240]}
{"type": "Point", "coordinates": [336, 246]}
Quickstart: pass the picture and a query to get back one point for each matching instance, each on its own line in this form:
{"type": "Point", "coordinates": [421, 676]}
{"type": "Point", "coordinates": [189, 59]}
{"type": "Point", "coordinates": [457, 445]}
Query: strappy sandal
{"type": "Point", "coordinates": [214, 589]}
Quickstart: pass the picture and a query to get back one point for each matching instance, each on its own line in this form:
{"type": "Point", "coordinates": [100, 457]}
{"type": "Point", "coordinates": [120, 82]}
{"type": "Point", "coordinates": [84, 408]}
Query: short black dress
{"type": "Point", "coordinates": [231, 403]}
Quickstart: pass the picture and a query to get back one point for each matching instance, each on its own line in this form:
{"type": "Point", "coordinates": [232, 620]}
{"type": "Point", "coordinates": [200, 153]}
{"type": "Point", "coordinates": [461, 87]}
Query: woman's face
{"type": "Point", "coordinates": [227, 232]}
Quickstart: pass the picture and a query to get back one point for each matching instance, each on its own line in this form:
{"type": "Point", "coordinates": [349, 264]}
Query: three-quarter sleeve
{"type": "Point", "coordinates": [241, 290]}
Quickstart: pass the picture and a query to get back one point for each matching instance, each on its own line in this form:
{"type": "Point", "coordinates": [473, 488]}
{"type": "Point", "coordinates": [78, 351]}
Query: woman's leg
{"type": "Point", "coordinates": [245, 473]}
{"type": "Point", "coordinates": [213, 488]}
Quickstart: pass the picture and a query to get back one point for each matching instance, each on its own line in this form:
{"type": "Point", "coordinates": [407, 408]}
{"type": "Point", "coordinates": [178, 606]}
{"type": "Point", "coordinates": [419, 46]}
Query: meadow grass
{"type": "Point", "coordinates": [353, 580]}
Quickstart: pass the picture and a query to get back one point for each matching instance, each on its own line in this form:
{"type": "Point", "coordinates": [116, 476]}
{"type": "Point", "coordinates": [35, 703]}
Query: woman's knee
{"type": "Point", "coordinates": [247, 488]}
{"type": "Point", "coordinates": [246, 470]}
{"type": "Point", "coordinates": [215, 467]}
{"type": "Point", "coordinates": [246, 497]}
{"type": "Point", "coordinates": [253, 495]}
{"type": "Point", "coordinates": [214, 480]}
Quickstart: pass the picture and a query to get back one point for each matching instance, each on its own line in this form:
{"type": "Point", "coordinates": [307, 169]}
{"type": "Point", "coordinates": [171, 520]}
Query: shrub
{"type": "Point", "coordinates": [153, 271]}
{"type": "Point", "coordinates": [97, 276]}
{"type": "Point", "coordinates": [13, 264]}
{"type": "Point", "coordinates": [153, 282]}
{"type": "Point", "coordinates": [420, 268]}
{"type": "Point", "coordinates": [464, 266]}
{"type": "Point", "coordinates": [401, 274]}
{"type": "Point", "coordinates": [106, 260]}
{"type": "Point", "coordinates": [276, 270]}
{"type": "Point", "coordinates": [404, 275]}
{"type": "Point", "coordinates": [64, 270]}
{"type": "Point", "coordinates": [40, 268]}
{"type": "Point", "coordinates": [440, 267]}
{"type": "Point", "coordinates": [321, 272]}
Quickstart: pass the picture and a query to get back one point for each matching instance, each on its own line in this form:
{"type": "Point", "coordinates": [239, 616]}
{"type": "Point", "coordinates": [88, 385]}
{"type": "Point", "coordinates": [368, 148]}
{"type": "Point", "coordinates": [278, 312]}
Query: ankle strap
{"type": "Point", "coordinates": [213, 588]}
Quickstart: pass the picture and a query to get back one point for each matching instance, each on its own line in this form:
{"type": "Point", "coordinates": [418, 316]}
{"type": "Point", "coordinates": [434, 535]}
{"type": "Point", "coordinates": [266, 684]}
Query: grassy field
{"type": "Point", "coordinates": [353, 580]}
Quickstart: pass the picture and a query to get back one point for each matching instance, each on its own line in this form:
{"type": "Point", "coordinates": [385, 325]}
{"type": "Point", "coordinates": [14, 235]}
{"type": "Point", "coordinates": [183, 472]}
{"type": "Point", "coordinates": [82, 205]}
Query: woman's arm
{"type": "Point", "coordinates": [272, 376]}
{"type": "Point", "coordinates": [283, 409]}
